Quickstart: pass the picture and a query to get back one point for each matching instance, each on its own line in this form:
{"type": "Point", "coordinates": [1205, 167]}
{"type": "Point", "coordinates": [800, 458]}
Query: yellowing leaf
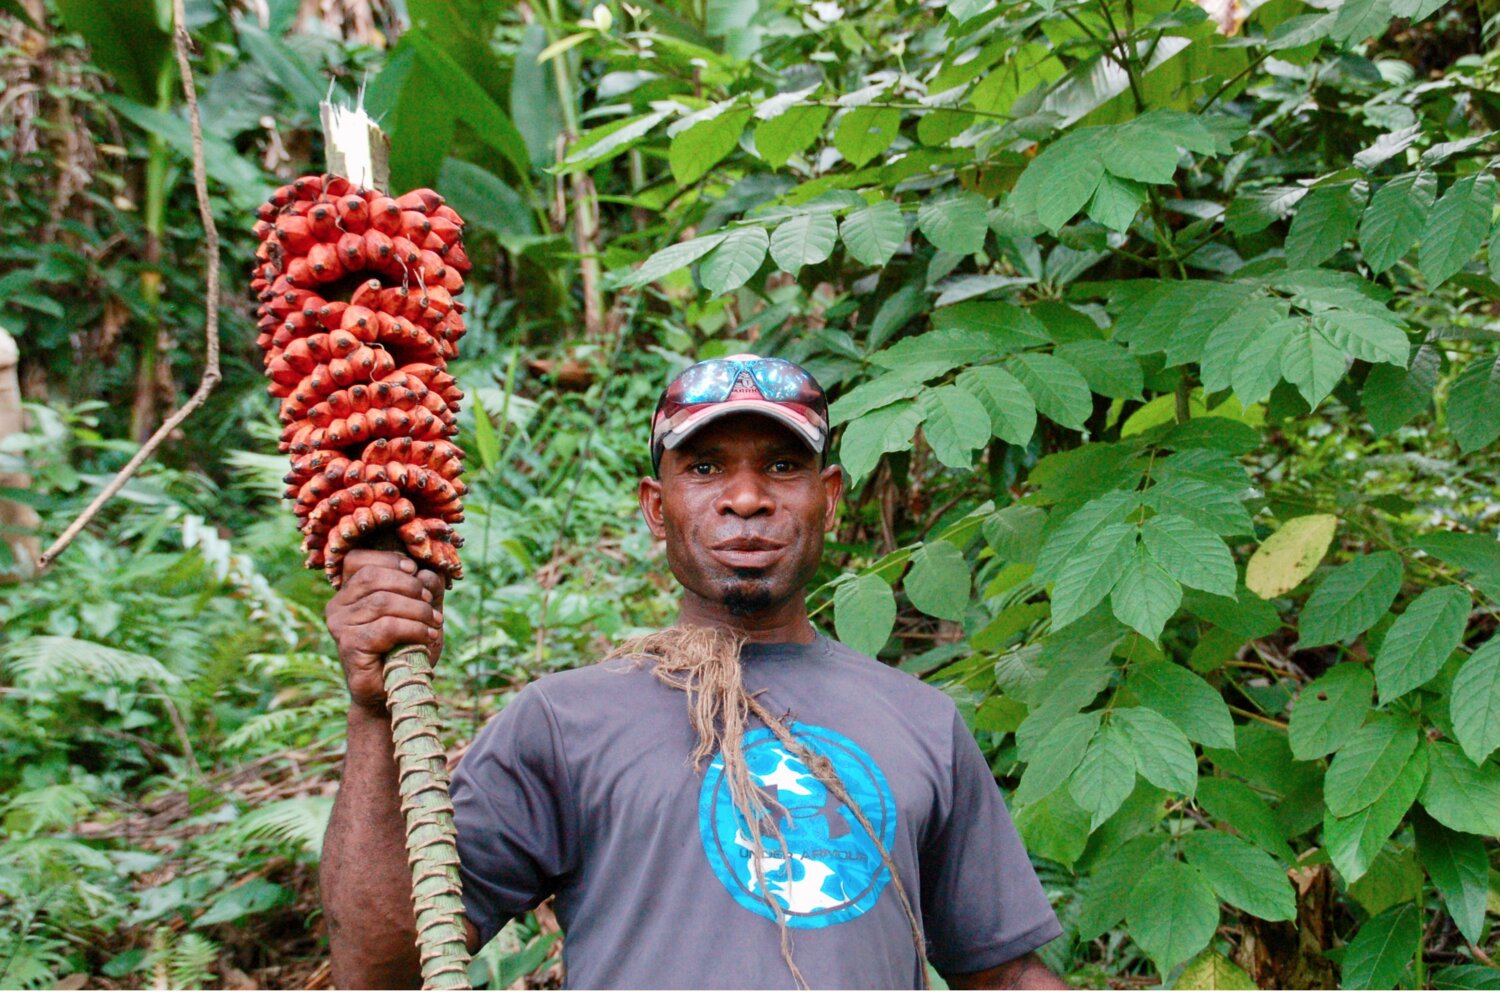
{"type": "Point", "coordinates": [1288, 556]}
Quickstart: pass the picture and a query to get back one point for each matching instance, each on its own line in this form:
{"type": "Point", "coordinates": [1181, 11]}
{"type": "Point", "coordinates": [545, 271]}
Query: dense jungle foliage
{"type": "Point", "coordinates": [1164, 344]}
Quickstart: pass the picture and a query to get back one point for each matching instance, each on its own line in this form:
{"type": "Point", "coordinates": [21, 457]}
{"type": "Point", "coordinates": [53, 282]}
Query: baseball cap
{"type": "Point", "coordinates": [745, 383]}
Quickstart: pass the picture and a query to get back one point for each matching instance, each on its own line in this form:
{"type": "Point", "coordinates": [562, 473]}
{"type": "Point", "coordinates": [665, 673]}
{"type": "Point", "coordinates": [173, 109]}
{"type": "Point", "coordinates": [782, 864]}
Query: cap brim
{"type": "Point", "coordinates": [804, 429]}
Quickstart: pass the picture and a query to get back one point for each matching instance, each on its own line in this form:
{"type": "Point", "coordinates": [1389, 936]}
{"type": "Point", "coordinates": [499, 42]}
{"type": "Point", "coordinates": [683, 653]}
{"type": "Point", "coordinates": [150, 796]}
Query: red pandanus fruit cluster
{"type": "Point", "coordinates": [357, 323]}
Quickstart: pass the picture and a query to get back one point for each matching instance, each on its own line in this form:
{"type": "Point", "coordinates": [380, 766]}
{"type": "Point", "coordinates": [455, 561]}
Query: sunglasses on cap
{"type": "Point", "coordinates": [713, 388]}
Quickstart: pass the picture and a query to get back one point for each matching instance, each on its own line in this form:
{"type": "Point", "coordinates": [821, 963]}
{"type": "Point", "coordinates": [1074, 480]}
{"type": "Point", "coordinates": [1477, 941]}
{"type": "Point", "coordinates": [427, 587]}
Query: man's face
{"type": "Point", "coordinates": [743, 505]}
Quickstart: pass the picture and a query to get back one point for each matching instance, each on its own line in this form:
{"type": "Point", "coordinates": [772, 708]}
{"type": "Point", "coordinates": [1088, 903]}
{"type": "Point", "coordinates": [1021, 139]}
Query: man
{"type": "Point", "coordinates": [845, 829]}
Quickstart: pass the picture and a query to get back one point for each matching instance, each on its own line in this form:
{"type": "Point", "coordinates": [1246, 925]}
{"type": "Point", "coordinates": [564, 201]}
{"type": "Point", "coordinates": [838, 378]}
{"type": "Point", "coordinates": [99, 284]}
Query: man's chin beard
{"type": "Point", "coordinates": [749, 593]}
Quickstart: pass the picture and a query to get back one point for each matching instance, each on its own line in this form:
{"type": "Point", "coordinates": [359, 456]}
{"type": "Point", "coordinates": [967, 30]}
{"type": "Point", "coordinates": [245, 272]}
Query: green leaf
{"type": "Point", "coordinates": [1055, 756]}
{"type": "Point", "coordinates": [256, 895]}
{"type": "Point", "coordinates": [954, 423]}
{"type": "Point", "coordinates": [1245, 613]}
{"type": "Point", "coordinates": [938, 583]}
{"type": "Point", "coordinates": [1060, 392]}
{"type": "Point", "coordinates": [1420, 641]}
{"type": "Point", "coordinates": [1467, 976]}
{"type": "Point", "coordinates": [1087, 577]}
{"type": "Point", "coordinates": [1162, 752]}
{"type": "Point", "coordinates": [1012, 414]}
{"type": "Point", "coordinates": [1312, 362]}
{"type": "Point", "coordinates": [1394, 395]}
{"type": "Point", "coordinates": [1473, 406]}
{"type": "Point", "coordinates": [1351, 599]}
{"type": "Point", "coordinates": [484, 200]}
{"type": "Point", "coordinates": [1460, 870]}
{"type": "Point", "coordinates": [1173, 913]}
{"type": "Point", "coordinates": [129, 39]}
{"type": "Point", "coordinates": [1236, 805]}
{"type": "Point", "coordinates": [1461, 795]}
{"type": "Point", "coordinates": [1106, 897]}
{"type": "Point", "coordinates": [956, 223]}
{"type": "Point", "coordinates": [1243, 876]}
{"type": "Point", "coordinates": [881, 391]}
{"type": "Point", "coordinates": [1107, 367]}
{"type": "Point", "coordinates": [1395, 218]}
{"type": "Point", "coordinates": [865, 132]}
{"type": "Point", "coordinates": [1474, 701]}
{"type": "Point", "coordinates": [872, 234]}
{"type": "Point", "coordinates": [674, 257]}
{"type": "Point", "coordinates": [1204, 503]}
{"type": "Point", "coordinates": [734, 260]}
{"type": "Point", "coordinates": [1364, 336]}
{"type": "Point", "coordinates": [469, 102]}
{"type": "Point", "coordinates": [1009, 327]}
{"type": "Point", "coordinates": [1357, 20]}
{"type": "Point", "coordinates": [1067, 536]}
{"type": "Point", "coordinates": [1456, 227]}
{"type": "Point", "coordinates": [1365, 767]}
{"type": "Point", "coordinates": [1325, 219]}
{"type": "Point", "coordinates": [1191, 554]}
{"type": "Point", "coordinates": [1185, 699]}
{"type": "Point", "coordinates": [1015, 532]}
{"type": "Point", "coordinates": [703, 145]}
{"type": "Point", "coordinates": [936, 352]}
{"type": "Point", "coordinates": [805, 239]}
{"type": "Point", "coordinates": [1378, 955]}
{"type": "Point", "coordinates": [1353, 842]}
{"type": "Point", "coordinates": [1105, 776]}
{"type": "Point", "coordinates": [790, 133]}
{"type": "Point", "coordinates": [1145, 597]}
{"type": "Point", "coordinates": [484, 437]}
{"type": "Point", "coordinates": [1116, 201]}
{"type": "Point", "coordinates": [1212, 970]}
{"type": "Point", "coordinates": [1054, 828]}
{"type": "Point", "coordinates": [1290, 555]}
{"type": "Point", "coordinates": [864, 612]}
{"type": "Point", "coordinates": [889, 428]}
{"type": "Point", "coordinates": [1062, 179]}
{"type": "Point", "coordinates": [1329, 710]}
{"type": "Point", "coordinates": [601, 144]}
{"type": "Point", "coordinates": [1477, 554]}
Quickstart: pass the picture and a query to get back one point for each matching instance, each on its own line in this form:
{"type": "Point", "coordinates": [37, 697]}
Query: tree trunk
{"type": "Point", "coordinates": [15, 516]}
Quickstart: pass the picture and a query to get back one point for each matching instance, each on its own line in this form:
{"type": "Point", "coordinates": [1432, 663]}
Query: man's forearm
{"type": "Point", "coordinates": [364, 877]}
{"type": "Point", "coordinates": [1025, 972]}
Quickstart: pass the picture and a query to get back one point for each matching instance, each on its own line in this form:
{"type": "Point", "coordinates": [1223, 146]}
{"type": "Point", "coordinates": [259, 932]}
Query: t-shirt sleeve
{"type": "Point", "coordinates": [513, 812]}
{"type": "Point", "coordinates": [982, 904]}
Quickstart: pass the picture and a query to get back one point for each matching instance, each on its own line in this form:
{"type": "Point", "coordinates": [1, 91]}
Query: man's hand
{"type": "Point", "coordinates": [385, 601]}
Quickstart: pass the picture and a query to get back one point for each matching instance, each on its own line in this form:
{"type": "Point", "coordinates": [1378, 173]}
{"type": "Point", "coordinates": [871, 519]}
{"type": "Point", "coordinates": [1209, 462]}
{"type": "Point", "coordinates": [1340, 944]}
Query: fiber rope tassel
{"type": "Point", "coordinates": [422, 768]}
{"type": "Point", "coordinates": [357, 321]}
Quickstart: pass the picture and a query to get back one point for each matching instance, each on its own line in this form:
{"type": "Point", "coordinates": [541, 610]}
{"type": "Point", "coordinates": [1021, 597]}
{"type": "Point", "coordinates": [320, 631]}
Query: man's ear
{"type": "Point", "coordinates": [649, 494]}
{"type": "Point", "coordinates": [833, 491]}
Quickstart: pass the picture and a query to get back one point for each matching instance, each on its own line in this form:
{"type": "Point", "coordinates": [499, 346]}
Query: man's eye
{"type": "Point", "coordinates": [701, 468]}
{"type": "Point", "coordinates": [784, 465]}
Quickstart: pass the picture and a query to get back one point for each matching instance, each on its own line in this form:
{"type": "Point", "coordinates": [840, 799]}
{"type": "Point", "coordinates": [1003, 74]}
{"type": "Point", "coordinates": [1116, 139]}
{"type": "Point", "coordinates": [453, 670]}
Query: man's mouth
{"type": "Point", "coordinates": [747, 552]}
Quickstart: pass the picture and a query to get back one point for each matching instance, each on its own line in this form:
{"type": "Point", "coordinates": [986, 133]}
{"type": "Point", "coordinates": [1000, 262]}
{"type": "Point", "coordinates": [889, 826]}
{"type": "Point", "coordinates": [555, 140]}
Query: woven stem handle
{"type": "Point", "coordinates": [430, 848]}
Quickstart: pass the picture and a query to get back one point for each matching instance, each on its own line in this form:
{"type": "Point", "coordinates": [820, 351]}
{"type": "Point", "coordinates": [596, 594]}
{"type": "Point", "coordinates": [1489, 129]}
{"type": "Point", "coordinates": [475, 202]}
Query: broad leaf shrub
{"type": "Point", "coordinates": [1139, 326]}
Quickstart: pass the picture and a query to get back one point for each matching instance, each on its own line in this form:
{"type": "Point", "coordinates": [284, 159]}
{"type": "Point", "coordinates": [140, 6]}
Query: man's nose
{"type": "Point", "coordinates": [745, 495]}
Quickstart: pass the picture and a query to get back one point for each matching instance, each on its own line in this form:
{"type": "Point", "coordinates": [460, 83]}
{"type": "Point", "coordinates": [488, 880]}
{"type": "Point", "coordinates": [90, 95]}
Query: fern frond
{"type": "Point", "coordinates": [300, 822]}
{"type": "Point", "coordinates": [285, 725]}
{"type": "Point", "coordinates": [69, 662]}
{"type": "Point", "coordinates": [49, 807]}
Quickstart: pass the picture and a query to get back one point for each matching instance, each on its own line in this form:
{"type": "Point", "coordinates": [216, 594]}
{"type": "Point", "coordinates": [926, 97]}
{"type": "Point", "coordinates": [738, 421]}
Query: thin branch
{"type": "Point", "coordinates": [183, 45]}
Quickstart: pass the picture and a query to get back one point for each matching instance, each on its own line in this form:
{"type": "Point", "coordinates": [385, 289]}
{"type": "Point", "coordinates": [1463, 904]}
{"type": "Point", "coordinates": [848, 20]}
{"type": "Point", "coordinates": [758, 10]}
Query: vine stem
{"type": "Point", "coordinates": [182, 43]}
{"type": "Point", "coordinates": [432, 852]}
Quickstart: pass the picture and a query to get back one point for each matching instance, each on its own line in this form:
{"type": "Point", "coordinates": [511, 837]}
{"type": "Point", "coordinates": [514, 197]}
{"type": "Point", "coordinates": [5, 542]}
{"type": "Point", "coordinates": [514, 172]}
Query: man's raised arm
{"type": "Point", "coordinates": [364, 877]}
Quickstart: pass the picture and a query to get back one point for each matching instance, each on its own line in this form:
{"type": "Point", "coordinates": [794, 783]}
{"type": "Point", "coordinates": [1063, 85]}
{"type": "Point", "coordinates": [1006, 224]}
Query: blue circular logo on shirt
{"type": "Point", "coordinates": [825, 868]}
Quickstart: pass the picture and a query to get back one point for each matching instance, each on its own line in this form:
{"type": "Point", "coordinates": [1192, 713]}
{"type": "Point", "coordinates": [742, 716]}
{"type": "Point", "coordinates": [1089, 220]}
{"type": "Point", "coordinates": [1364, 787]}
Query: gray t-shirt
{"type": "Point", "coordinates": [582, 788]}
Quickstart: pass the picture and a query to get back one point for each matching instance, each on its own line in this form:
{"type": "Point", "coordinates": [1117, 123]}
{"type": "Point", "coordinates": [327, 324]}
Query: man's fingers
{"type": "Point", "coordinates": [392, 632]}
{"type": "Point", "coordinates": [373, 607]}
{"type": "Point", "coordinates": [381, 579]}
{"type": "Point", "coordinates": [434, 584]}
{"type": "Point", "coordinates": [365, 557]}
